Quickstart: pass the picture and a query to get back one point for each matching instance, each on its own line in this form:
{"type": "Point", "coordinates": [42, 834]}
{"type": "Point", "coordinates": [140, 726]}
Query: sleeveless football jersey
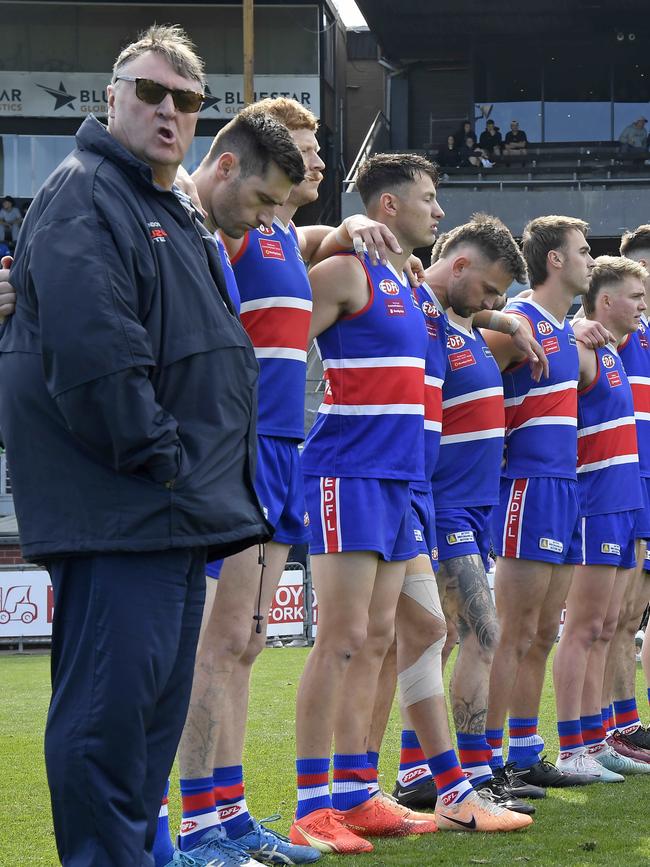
{"type": "Point", "coordinates": [435, 320]}
{"type": "Point", "coordinates": [635, 355]}
{"type": "Point", "coordinates": [370, 423]}
{"type": "Point", "coordinates": [541, 417]}
{"type": "Point", "coordinates": [229, 274]}
{"type": "Point", "coordinates": [608, 461]}
{"type": "Point", "coordinates": [276, 312]}
{"type": "Point", "coordinates": [471, 447]}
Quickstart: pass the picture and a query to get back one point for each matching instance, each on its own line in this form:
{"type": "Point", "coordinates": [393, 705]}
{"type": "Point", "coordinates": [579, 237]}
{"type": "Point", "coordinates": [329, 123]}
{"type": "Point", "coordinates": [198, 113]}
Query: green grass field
{"type": "Point", "coordinates": [602, 824]}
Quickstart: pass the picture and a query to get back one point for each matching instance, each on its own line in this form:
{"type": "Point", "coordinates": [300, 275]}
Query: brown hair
{"type": "Point", "coordinates": [636, 241]}
{"type": "Point", "coordinates": [287, 111]}
{"type": "Point", "coordinates": [611, 271]}
{"type": "Point", "coordinates": [542, 235]}
{"type": "Point", "coordinates": [494, 240]}
{"type": "Point", "coordinates": [171, 42]}
{"type": "Point", "coordinates": [384, 172]}
{"type": "Point", "coordinates": [258, 139]}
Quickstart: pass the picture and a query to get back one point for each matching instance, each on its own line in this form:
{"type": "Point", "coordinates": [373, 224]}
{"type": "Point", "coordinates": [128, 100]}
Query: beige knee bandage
{"type": "Point", "coordinates": [423, 679]}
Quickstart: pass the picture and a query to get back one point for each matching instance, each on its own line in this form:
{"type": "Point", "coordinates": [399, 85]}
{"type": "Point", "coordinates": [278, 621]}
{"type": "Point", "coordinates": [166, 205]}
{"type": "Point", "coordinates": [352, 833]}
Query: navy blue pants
{"type": "Point", "coordinates": [123, 645]}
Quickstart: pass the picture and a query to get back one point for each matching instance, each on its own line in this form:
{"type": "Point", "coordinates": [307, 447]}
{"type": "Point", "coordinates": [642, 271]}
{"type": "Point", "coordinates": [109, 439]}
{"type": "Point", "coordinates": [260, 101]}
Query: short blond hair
{"type": "Point", "coordinates": [611, 271]}
{"type": "Point", "coordinates": [173, 44]}
{"type": "Point", "coordinates": [287, 111]}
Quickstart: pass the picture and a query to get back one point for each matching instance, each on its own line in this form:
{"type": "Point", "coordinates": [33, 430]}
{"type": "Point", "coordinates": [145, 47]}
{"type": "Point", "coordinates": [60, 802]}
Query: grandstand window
{"type": "Point", "coordinates": [513, 89]}
{"type": "Point", "coordinates": [577, 96]}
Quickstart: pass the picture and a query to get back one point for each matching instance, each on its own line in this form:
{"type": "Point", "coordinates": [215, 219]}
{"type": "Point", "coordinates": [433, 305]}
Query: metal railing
{"type": "Point", "coordinates": [377, 139]}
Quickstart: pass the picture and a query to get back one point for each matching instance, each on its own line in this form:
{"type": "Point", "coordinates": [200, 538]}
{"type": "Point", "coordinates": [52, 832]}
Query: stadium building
{"type": "Point", "coordinates": [573, 73]}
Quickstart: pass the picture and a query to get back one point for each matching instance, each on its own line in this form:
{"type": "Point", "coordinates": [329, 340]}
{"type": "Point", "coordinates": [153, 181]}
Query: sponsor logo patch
{"type": "Point", "coordinates": [614, 378]}
{"type": "Point", "coordinates": [551, 545]}
{"type": "Point", "coordinates": [188, 825]}
{"type": "Point", "coordinates": [565, 755]}
{"type": "Point", "coordinates": [156, 232]}
{"type": "Point", "coordinates": [460, 537]}
{"type": "Point", "coordinates": [434, 553]}
{"type": "Point", "coordinates": [643, 340]}
{"type": "Point", "coordinates": [305, 519]}
{"type": "Point", "coordinates": [449, 797]}
{"type": "Point", "coordinates": [608, 361]}
{"type": "Point", "coordinates": [271, 249]}
{"type": "Point", "coordinates": [429, 309]}
{"type": "Point", "coordinates": [389, 287]}
{"type": "Point", "coordinates": [395, 307]}
{"type": "Point", "coordinates": [432, 329]}
{"type": "Point", "coordinates": [610, 548]}
{"type": "Point", "coordinates": [455, 341]}
{"type": "Point", "coordinates": [486, 352]}
{"type": "Point", "coordinates": [461, 359]}
{"type": "Point", "coordinates": [228, 812]}
{"type": "Point", "coordinates": [413, 775]}
{"type": "Point", "coordinates": [544, 327]}
{"type": "Point", "coordinates": [572, 339]}
{"type": "Point", "coordinates": [550, 345]}
{"type": "Point", "coordinates": [418, 535]}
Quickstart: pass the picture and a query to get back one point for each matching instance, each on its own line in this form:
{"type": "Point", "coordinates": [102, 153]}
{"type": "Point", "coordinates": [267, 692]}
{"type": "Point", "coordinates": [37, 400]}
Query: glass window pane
{"type": "Point", "coordinates": [575, 75]}
{"type": "Point", "coordinates": [529, 115]}
{"type": "Point", "coordinates": [577, 121]}
{"type": "Point", "coordinates": [626, 113]}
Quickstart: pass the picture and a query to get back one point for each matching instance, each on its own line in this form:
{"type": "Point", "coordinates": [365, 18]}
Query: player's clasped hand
{"type": "Point", "coordinates": [591, 333]}
{"type": "Point", "coordinates": [534, 353]}
{"type": "Point", "coordinates": [375, 238]}
{"type": "Point", "coordinates": [7, 292]}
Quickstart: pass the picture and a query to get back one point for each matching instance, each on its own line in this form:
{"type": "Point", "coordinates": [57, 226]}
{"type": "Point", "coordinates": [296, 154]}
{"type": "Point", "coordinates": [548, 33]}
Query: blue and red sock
{"type": "Point", "coordinates": [570, 736]}
{"type": "Point", "coordinates": [594, 735]}
{"type": "Point", "coordinates": [373, 770]}
{"type": "Point", "coordinates": [163, 848]}
{"type": "Point", "coordinates": [627, 715]}
{"type": "Point", "coordinates": [313, 786]}
{"type": "Point", "coordinates": [494, 738]}
{"type": "Point", "coordinates": [475, 755]}
{"type": "Point", "coordinates": [230, 801]}
{"type": "Point", "coordinates": [451, 783]}
{"type": "Point", "coordinates": [199, 811]}
{"type": "Point", "coordinates": [413, 767]}
{"type": "Point", "coordinates": [524, 744]}
{"type": "Point", "coordinates": [350, 780]}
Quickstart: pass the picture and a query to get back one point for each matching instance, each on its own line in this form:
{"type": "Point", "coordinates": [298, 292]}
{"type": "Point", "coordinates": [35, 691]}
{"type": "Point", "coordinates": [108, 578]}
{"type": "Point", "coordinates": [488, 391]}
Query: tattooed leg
{"type": "Point", "coordinates": [467, 594]}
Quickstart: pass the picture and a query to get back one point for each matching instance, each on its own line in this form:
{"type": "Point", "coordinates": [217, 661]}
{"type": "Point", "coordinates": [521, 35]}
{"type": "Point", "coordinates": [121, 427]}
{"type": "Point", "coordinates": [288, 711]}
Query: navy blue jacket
{"type": "Point", "coordinates": [127, 383]}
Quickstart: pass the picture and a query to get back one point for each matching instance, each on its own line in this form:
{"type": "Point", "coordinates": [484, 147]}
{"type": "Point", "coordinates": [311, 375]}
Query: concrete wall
{"type": "Point", "coordinates": [608, 212]}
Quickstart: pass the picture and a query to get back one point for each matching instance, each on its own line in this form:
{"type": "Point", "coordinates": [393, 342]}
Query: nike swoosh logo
{"type": "Point", "coordinates": [471, 825]}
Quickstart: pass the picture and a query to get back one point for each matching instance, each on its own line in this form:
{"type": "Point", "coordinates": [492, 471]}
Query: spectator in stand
{"type": "Point", "coordinates": [491, 140]}
{"type": "Point", "coordinates": [463, 131]}
{"type": "Point", "coordinates": [634, 138]}
{"type": "Point", "coordinates": [448, 154]}
{"type": "Point", "coordinates": [472, 155]}
{"type": "Point", "coordinates": [516, 140]}
{"type": "Point", "coordinates": [10, 219]}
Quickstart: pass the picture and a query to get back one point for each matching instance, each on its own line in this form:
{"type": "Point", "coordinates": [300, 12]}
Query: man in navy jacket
{"type": "Point", "coordinates": [127, 404]}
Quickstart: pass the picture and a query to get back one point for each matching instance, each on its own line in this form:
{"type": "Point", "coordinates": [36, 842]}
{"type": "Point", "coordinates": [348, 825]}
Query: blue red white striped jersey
{"type": "Point", "coordinates": [541, 417]}
{"type": "Point", "coordinates": [471, 447]}
{"type": "Point", "coordinates": [370, 424]}
{"type": "Point", "coordinates": [276, 313]}
{"type": "Point", "coordinates": [608, 460]}
{"type": "Point", "coordinates": [435, 320]}
{"type": "Point", "coordinates": [229, 274]}
{"type": "Point", "coordinates": [635, 355]}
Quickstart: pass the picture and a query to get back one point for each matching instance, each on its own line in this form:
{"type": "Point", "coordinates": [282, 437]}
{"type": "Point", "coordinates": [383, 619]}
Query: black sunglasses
{"type": "Point", "coordinates": [153, 93]}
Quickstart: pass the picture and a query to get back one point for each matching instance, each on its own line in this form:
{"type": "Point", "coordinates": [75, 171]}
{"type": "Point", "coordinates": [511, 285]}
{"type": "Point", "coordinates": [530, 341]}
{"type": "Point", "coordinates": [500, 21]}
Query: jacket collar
{"type": "Point", "coordinates": [94, 136]}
